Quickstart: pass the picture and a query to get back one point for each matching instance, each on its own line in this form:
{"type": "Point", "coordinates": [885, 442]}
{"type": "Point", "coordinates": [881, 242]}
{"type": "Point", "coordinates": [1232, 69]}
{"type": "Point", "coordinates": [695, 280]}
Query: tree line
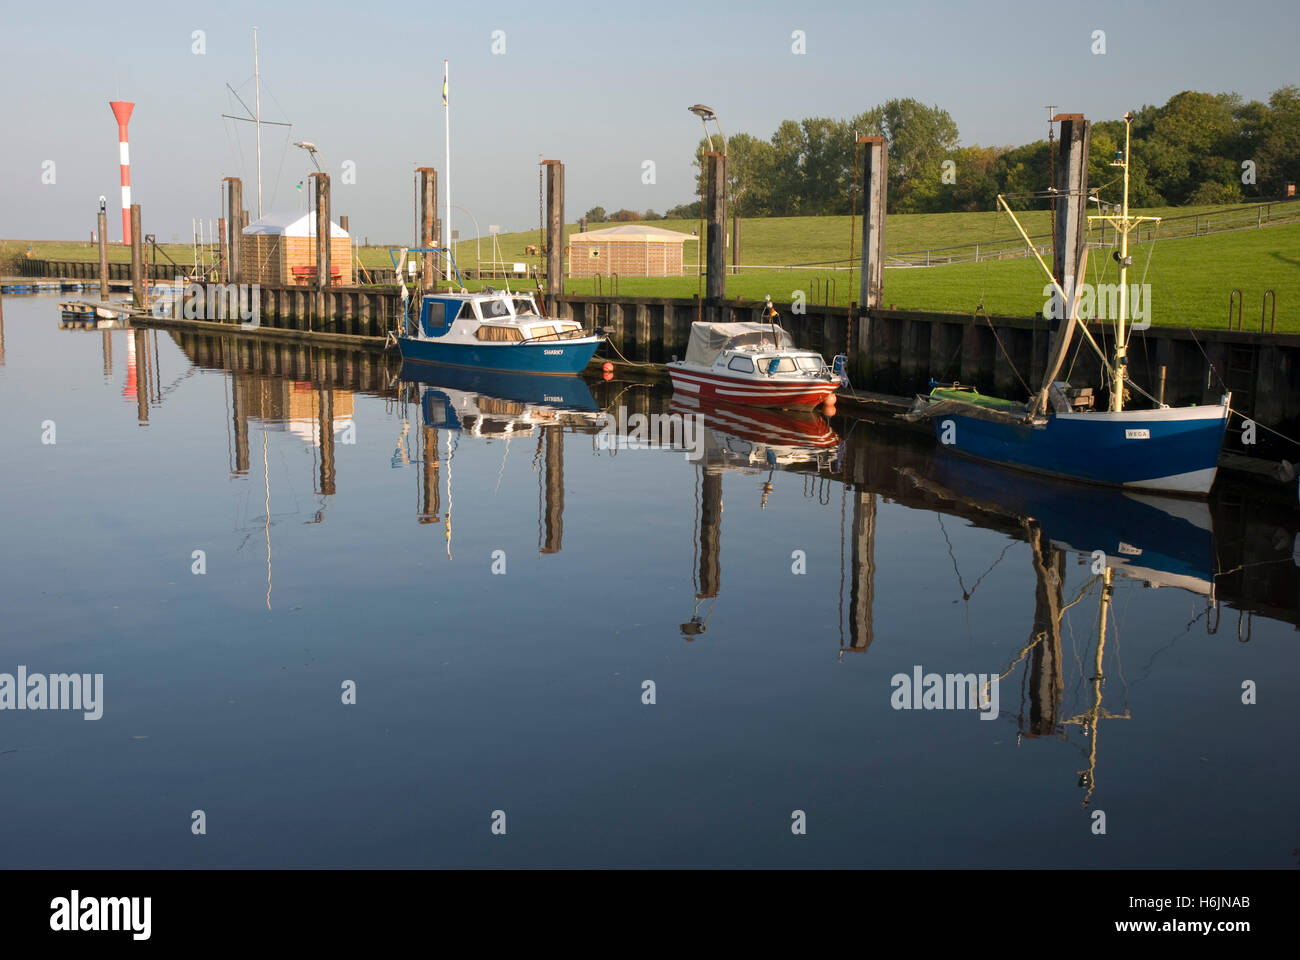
{"type": "Point", "coordinates": [1198, 148]}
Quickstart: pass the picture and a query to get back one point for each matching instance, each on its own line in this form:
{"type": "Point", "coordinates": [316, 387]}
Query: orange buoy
{"type": "Point", "coordinates": [607, 375]}
{"type": "Point", "coordinates": [607, 367]}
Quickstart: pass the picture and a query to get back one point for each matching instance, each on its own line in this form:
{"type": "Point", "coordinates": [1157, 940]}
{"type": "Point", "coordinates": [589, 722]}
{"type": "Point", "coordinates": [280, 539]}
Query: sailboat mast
{"type": "Point", "coordinates": [1121, 342]}
{"type": "Point", "coordinates": [446, 173]}
{"type": "Point", "coordinates": [257, 93]}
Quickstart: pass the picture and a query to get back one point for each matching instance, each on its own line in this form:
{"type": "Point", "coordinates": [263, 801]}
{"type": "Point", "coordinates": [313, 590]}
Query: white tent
{"type": "Point", "coordinates": [295, 224]}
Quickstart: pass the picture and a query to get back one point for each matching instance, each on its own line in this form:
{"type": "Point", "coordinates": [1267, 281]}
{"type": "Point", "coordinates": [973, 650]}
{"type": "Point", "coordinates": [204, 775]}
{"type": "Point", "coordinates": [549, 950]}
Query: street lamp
{"type": "Point", "coordinates": [707, 114]}
{"type": "Point", "coordinates": [311, 149]}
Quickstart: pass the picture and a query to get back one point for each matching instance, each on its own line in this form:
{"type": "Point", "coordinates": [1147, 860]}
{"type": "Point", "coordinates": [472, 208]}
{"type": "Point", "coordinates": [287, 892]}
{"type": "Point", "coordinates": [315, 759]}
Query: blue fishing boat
{"type": "Point", "coordinates": [1056, 432]}
{"type": "Point", "coordinates": [498, 331]}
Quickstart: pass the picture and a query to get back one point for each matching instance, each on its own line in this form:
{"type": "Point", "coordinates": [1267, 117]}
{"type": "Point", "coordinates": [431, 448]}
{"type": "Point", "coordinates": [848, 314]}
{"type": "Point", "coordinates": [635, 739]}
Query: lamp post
{"type": "Point", "coordinates": [713, 210]}
{"type": "Point", "coordinates": [707, 114]}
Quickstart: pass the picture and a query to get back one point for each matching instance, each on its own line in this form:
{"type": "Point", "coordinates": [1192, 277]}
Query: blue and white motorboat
{"type": "Point", "coordinates": [497, 331]}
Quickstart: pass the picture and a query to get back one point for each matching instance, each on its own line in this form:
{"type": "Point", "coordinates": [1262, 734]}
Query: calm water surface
{"type": "Point", "coordinates": [351, 521]}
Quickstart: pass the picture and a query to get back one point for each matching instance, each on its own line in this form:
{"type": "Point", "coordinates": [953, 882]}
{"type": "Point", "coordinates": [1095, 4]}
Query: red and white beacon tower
{"type": "Point", "coordinates": [122, 111]}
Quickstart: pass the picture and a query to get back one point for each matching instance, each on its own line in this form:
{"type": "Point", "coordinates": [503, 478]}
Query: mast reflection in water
{"type": "Point", "coordinates": [499, 585]}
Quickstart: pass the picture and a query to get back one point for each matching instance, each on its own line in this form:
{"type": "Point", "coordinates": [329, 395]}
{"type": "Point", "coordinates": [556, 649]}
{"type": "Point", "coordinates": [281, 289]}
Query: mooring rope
{"type": "Point", "coordinates": [1264, 425]}
{"type": "Point", "coordinates": [630, 363]}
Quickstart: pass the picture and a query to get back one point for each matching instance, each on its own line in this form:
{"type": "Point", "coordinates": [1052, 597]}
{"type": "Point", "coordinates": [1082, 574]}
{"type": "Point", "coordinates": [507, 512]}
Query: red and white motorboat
{"type": "Point", "coordinates": [756, 364]}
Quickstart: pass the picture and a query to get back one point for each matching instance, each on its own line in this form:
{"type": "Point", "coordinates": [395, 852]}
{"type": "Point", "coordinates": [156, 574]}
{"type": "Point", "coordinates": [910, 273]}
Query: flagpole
{"type": "Point", "coordinates": [446, 174]}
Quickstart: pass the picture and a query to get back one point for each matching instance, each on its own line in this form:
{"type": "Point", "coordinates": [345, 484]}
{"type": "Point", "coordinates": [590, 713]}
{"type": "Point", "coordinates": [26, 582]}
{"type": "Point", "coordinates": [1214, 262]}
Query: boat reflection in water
{"type": "Point", "coordinates": [1162, 541]}
{"type": "Point", "coordinates": [1158, 541]}
{"type": "Point", "coordinates": [750, 440]}
{"type": "Point", "coordinates": [491, 405]}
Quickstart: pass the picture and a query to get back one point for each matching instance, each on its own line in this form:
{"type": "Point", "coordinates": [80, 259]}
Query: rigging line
{"type": "Point", "coordinates": [502, 472]}
{"type": "Point", "coordinates": [231, 136]}
{"type": "Point", "coordinates": [1010, 362]}
{"type": "Point", "coordinates": [1183, 317]}
{"type": "Point", "coordinates": [964, 594]}
{"type": "Point", "coordinates": [1256, 563]}
{"type": "Point", "coordinates": [284, 151]}
{"type": "Point", "coordinates": [976, 584]}
{"type": "Point", "coordinates": [251, 116]}
{"type": "Point", "coordinates": [1040, 636]}
{"type": "Point", "coordinates": [1151, 248]}
{"type": "Point", "coordinates": [1266, 427]}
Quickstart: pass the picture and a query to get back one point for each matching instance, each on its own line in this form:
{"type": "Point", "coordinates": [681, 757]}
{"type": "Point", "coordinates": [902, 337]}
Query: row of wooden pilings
{"type": "Point", "coordinates": [896, 352]}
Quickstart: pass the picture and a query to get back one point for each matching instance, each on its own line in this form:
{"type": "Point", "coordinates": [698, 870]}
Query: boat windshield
{"type": "Point", "coordinates": [489, 309]}
{"type": "Point", "coordinates": [812, 364]}
{"type": "Point", "coordinates": [524, 307]}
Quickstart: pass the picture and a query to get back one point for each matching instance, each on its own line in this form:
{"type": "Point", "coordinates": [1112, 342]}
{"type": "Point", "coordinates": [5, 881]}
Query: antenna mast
{"type": "Point", "coordinates": [257, 93]}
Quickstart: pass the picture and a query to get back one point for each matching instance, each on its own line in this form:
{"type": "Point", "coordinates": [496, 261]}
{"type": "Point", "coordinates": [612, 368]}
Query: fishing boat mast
{"type": "Point", "coordinates": [1123, 225]}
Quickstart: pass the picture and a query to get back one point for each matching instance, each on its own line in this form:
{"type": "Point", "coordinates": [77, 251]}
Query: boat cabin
{"type": "Point", "coordinates": [492, 316]}
{"type": "Point", "coordinates": [751, 350]}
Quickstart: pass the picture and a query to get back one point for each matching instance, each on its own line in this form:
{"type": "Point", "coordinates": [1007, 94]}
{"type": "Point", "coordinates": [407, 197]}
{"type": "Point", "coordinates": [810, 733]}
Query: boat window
{"type": "Point", "coordinates": [493, 308]}
{"type": "Point", "coordinates": [435, 318]}
{"type": "Point", "coordinates": [543, 330]}
{"type": "Point", "coordinates": [779, 365]}
{"type": "Point", "coordinates": [743, 364]}
{"type": "Point", "coordinates": [524, 307]}
{"type": "Point", "coordinates": [810, 363]}
{"type": "Point", "coordinates": [498, 334]}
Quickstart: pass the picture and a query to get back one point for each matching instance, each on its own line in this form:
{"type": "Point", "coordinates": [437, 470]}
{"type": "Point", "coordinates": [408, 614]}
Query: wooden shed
{"type": "Point", "coordinates": [629, 251]}
{"type": "Point", "coordinates": [280, 248]}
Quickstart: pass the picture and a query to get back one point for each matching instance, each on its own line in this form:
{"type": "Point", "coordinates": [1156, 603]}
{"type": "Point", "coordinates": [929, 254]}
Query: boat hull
{"type": "Point", "coordinates": [548, 358]}
{"type": "Point", "coordinates": [567, 392]}
{"type": "Point", "coordinates": [1173, 450]}
{"type": "Point", "coordinates": [773, 392]}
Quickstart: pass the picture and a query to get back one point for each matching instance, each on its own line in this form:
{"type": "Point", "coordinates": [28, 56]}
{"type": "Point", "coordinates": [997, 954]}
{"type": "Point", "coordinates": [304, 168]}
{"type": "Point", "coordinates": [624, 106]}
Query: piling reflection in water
{"type": "Point", "coordinates": [1229, 551]}
{"type": "Point", "coordinates": [1232, 550]}
{"type": "Point", "coordinates": [534, 677]}
{"type": "Point", "coordinates": [750, 441]}
{"type": "Point", "coordinates": [503, 406]}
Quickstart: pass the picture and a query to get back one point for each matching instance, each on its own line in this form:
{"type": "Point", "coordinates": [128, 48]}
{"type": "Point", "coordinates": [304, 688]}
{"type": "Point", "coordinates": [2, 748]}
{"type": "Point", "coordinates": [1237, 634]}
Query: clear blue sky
{"type": "Point", "coordinates": [600, 86]}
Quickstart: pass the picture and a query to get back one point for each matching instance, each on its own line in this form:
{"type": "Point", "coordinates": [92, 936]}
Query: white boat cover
{"type": "Point", "coordinates": [710, 339]}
